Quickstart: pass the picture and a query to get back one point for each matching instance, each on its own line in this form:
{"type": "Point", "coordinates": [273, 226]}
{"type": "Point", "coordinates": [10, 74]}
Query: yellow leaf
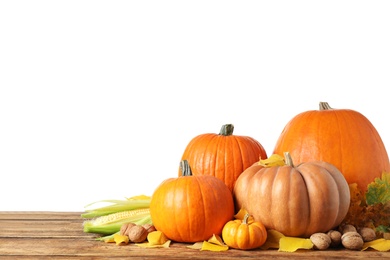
{"type": "Point", "coordinates": [241, 214]}
{"type": "Point", "coordinates": [379, 244]}
{"type": "Point", "coordinates": [148, 245]}
{"type": "Point", "coordinates": [139, 197]}
{"type": "Point", "coordinates": [207, 246]}
{"type": "Point", "coordinates": [109, 239]}
{"type": "Point", "coordinates": [292, 244]}
{"type": "Point", "coordinates": [121, 239]}
{"type": "Point", "coordinates": [157, 238]}
{"type": "Point", "coordinates": [273, 160]}
{"type": "Point", "coordinates": [273, 238]}
{"type": "Point", "coordinates": [197, 245]}
{"type": "Point", "coordinates": [217, 240]}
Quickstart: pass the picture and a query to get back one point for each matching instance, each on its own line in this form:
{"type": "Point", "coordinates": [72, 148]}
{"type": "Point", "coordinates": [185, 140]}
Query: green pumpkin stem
{"type": "Point", "coordinates": [227, 130]}
{"type": "Point", "coordinates": [185, 168]}
{"type": "Point", "coordinates": [288, 160]}
{"type": "Point", "coordinates": [324, 106]}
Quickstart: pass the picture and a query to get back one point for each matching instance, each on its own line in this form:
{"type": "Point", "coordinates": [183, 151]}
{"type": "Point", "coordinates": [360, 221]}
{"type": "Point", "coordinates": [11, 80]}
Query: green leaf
{"type": "Point", "coordinates": [379, 190]}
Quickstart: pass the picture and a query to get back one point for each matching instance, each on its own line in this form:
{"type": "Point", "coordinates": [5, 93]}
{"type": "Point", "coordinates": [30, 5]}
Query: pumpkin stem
{"type": "Point", "coordinates": [245, 220]}
{"type": "Point", "coordinates": [185, 168]}
{"type": "Point", "coordinates": [288, 160]}
{"type": "Point", "coordinates": [227, 130]}
{"type": "Point", "coordinates": [324, 106]}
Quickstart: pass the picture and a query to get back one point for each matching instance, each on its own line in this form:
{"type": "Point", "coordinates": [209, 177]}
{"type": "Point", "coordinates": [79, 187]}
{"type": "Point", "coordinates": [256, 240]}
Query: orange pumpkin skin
{"type": "Point", "coordinates": [191, 208]}
{"type": "Point", "coordinates": [222, 155]}
{"type": "Point", "coordinates": [342, 137]}
{"type": "Point", "coordinates": [297, 201]}
{"type": "Point", "coordinates": [239, 234]}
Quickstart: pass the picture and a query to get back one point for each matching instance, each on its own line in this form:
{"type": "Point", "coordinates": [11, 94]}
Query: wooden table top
{"type": "Point", "coordinates": [59, 235]}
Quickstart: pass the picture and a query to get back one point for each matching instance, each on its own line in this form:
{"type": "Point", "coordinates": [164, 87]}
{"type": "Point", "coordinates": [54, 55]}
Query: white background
{"type": "Point", "coordinates": [98, 99]}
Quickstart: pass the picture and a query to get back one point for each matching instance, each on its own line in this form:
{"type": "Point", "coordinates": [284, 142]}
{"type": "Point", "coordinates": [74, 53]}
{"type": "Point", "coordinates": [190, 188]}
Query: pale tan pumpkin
{"type": "Point", "coordinates": [296, 201]}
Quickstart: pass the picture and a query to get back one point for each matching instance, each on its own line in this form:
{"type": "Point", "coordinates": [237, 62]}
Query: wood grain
{"type": "Point", "coordinates": [59, 235]}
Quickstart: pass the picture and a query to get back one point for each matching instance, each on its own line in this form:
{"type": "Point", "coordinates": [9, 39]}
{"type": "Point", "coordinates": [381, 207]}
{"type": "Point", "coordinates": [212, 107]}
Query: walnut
{"type": "Point", "coordinates": [347, 228]}
{"type": "Point", "coordinates": [335, 237]}
{"type": "Point", "coordinates": [321, 241]}
{"type": "Point", "coordinates": [368, 234]}
{"type": "Point", "coordinates": [137, 234]}
{"type": "Point", "coordinates": [125, 228]}
{"type": "Point", "coordinates": [352, 240]}
{"type": "Point", "coordinates": [149, 227]}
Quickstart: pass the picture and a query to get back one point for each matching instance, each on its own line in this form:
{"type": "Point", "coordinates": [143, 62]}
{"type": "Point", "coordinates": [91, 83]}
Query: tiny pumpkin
{"type": "Point", "coordinates": [298, 200]}
{"type": "Point", "coordinates": [342, 137]}
{"type": "Point", "coordinates": [222, 155]}
{"type": "Point", "coordinates": [244, 234]}
{"type": "Point", "coordinates": [191, 208]}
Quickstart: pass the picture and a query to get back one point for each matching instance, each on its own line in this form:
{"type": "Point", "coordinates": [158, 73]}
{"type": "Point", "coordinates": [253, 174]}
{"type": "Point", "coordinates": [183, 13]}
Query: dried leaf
{"type": "Point", "coordinates": [207, 246]}
{"type": "Point", "coordinates": [273, 160]}
{"type": "Point", "coordinates": [121, 239]}
{"type": "Point", "coordinates": [156, 238]}
{"type": "Point", "coordinates": [273, 238]}
{"type": "Point", "coordinates": [241, 214]}
{"type": "Point", "coordinates": [147, 245]}
{"type": "Point", "coordinates": [217, 240]}
{"type": "Point", "coordinates": [197, 245]}
{"type": "Point", "coordinates": [215, 243]}
{"type": "Point", "coordinates": [380, 244]}
{"type": "Point", "coordinates": [139, 197]}
{"type": "Point", "coordinates": [292, 244]}
{"type": "Point", "coordinates": [373, 214]}
{"type": "Point", "coordinates": [379, 190]}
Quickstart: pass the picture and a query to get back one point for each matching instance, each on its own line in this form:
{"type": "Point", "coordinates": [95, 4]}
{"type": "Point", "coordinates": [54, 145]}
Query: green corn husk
{"type": "Point", "coordinates": [110, 224]}
{"type": "Point", "coordinates": [136, 202]}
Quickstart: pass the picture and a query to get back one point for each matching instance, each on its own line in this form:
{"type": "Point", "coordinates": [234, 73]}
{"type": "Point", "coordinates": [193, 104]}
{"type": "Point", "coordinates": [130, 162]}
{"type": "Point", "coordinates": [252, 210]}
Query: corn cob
{"type": "Point", "coordinates": [132, 203]}
{"type": "Point", "coordinates": [111, 223]}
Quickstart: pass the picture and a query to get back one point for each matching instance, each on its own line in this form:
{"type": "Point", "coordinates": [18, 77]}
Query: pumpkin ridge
{"type": "Point", "coordinates": [190, 151]}
{"type": "Point", "coordinates": [313, 172]}
{"type": "Point", "coordinates": [200, 187]}
{"type": "Point", "coordinates": [174, 214]}
{"type": "Point", "coordinates": [292, 210]}
{"type": "Point", "coordinates": [209, 160]}
{"type": "Point", "coordinates": [217, 165]}
{"type": "Point", "coordinates": [221, 206]}
{"type": "Point", "coordinates": [235, 159]}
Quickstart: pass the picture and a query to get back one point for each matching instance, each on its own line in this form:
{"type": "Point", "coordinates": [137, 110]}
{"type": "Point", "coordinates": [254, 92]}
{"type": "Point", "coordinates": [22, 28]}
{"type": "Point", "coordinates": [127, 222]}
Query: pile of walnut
{"type": "Point", "coordinates": [348, 236]}
{"type": "Point", "coordinates": [136, 233]}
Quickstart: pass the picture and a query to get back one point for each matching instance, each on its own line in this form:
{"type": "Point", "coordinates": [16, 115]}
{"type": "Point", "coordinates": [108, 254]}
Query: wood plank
{"type": "Point", "coordinates": [38, 229]}
{"type": "Point", "coordinates": [39, 215]}
{"type": "Point", "coordinates": [56, 247]}
{"type": "Point", "coordinates": [59, 235]}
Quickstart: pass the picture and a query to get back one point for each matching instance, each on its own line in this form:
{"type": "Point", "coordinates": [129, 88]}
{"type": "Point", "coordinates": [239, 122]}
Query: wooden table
{"type": "Point", "coordinates": [59, 235]}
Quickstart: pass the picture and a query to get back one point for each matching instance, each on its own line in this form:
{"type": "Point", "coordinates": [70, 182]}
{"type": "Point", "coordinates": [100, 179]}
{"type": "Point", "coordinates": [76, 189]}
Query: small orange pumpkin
{"type": "Point", "coordinates": [243, 234]}
{"type": "Point", "coordinates": [342, 137]}
{"type": "Point", "coordinates": [222, 155]}
{"type": "Point", "coordinates": [296, 201]}
{"type": "Point", "coordinates": [191, 208]}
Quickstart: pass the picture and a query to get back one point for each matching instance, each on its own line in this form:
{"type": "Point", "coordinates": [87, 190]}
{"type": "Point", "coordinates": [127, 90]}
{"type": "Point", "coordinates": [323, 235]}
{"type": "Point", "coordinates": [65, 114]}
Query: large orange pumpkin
{"type": "Point", "coordinates": [342, 137]}
{"type": "Point", "coordinates": [191, 208]}
{"type": "Point", "coordinates": [296, 201]}
{"type": "Point", "coordinates": [222, 155]}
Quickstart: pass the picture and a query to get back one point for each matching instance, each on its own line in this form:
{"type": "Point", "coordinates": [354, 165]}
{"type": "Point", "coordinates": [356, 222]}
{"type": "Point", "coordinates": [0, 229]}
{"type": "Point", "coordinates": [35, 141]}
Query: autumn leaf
{"type": "Point", "coordinates": [379, 190]}
{"type": "Point", "coordinates": [273, 160]}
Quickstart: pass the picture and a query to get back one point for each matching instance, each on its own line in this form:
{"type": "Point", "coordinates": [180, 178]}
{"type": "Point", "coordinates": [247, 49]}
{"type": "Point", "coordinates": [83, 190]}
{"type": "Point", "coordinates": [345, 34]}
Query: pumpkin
{"type": "Point", "coordinates": [242, 234]}
{"type": "Point", "coordinates": [342, 137]}
{"type": "Point", "coordinates": [297, 200]}
{"type": "Point", "coordinates": [222, 155]}
{"type": "Point", "coordinates": [191, 208]}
